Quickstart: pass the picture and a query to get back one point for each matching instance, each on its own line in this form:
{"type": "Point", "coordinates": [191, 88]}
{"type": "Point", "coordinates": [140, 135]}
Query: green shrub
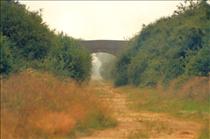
{"type": "Point", "coordinates": [27, 42]}
{"type": "Point", "coordinates": [168, 49]}
{"type": "Point", "coordinates": [6, 56]}
{"type": "Point", "coordinates": [69, 59]}
{"type": "Point", "coordinates": [200, 63]}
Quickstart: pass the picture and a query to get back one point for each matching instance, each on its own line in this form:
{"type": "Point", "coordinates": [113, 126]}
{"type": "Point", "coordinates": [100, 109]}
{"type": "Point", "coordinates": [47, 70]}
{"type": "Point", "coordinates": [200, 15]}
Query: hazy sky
{"type": "Point", "coordinates": [101, 19]}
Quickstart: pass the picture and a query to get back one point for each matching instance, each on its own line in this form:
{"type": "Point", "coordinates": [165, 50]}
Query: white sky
{"type": "Point", "coordinates": [92, 20]}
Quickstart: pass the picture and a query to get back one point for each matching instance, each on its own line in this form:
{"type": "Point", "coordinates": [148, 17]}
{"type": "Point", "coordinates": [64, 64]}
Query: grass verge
{"type": "Point", "coordinates": [37, 105]}
{"type": "Point", "coordinates": [190, 102]}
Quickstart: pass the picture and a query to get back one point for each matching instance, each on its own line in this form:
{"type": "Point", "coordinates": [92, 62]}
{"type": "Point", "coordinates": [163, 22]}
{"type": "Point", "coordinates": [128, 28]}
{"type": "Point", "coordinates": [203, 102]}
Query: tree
{"type": "Point", "coordinates": [7, 60]}
{"type": "Point", "coordinates": [32, 37]}
{"type": "Point", "coordinates": [27, 42]}
{"type": "Point", "coordinates": [69, 59]}
{"type": "Point", "coordinates": [171, 47]}
{"type": "Point", "coordinates": [199, 65]}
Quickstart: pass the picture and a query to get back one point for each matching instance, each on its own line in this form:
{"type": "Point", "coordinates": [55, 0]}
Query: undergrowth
{"type": "Point", "coordinates": [189, 101]}
{"type": "Point", "coordinates": [37, 105]}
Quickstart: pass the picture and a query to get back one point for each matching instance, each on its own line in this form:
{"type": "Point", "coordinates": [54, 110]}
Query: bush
{"type": "Point", "coordinates": [38, 105]}
{"type": "Point", "coordinates": [168, 49]}
{"type": "Point", "coordinates": [69, 59]}
{"type": "Point", "coordinates": [32, 37]}
{"type": "Point", "coordinates": [7, 59]}
{"type": "Point", "coordinates": [29, 43]}
{"type": "Point", "coordinates": [199, 65]}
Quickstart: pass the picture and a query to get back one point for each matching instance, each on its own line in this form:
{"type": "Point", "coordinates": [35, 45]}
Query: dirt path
{"type": "Point", "coordinates": [141, 125]}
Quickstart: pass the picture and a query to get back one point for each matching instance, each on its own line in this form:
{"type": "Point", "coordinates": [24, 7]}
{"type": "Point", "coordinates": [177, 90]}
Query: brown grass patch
{"type": "Point", "coordinates": [53, 122]}
{"type": "Point", "coordinates": [38, 105]}
{"type": "Point", "coordinates": [196, 88]}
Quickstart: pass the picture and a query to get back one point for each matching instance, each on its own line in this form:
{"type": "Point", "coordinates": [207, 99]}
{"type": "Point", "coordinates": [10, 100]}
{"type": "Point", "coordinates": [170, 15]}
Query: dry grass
{"type": "Point", "coordinates": [187, 100]}
{"type": "Point", "coordinates": [38, 105]}
{"type": "Point", "coordinates": [152, 128]}
{"type": "Point", "coordinates": [196, 88]}
{"type": "Point", "coordinates": [191, 96]}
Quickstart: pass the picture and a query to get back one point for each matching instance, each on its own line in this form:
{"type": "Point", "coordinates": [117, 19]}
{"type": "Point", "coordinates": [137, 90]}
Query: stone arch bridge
{"type": "Point", "coordinates": [108, 46]}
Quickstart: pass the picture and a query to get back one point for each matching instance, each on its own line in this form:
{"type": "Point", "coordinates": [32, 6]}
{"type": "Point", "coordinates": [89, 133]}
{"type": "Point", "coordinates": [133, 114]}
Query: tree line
{"type": "Point", "coordinates": [175, 47]}
{"type": "Point", "coordinates": [27, 42]}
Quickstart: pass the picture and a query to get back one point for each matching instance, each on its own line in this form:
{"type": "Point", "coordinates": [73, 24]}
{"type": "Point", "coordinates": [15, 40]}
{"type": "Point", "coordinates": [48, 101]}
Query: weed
{"type": "Point", "coordinates": [39, 105]}
{"type": "Point", "coordinates": [139, 135]}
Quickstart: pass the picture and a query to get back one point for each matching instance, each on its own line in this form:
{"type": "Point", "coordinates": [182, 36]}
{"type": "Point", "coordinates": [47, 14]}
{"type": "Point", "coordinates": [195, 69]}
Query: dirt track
{"type": "Point", "coordinates": [141, 125]}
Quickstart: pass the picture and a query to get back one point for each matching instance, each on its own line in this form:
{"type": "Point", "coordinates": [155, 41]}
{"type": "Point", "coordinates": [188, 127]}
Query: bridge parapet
{"type": "Point", "coordinates": [109, 46]}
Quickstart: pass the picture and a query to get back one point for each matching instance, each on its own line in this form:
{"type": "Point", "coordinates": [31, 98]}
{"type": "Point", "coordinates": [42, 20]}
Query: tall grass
{"type": "Point", "coordinates": [191, 96]}
{"type": "Point", "coordinates": [184, 99]}
{"type": "Point", "coordinates": [38, 105]}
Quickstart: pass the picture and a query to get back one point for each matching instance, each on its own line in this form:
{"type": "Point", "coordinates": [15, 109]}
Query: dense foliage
{"type": "Point", "coordinates": [27, 42]}
{"type": "Point", "coordinates": [7, 60]}
{"type": "Point", "coordinates": [71, 61]}
{"type": "Point", "coordinates": [172, 47]}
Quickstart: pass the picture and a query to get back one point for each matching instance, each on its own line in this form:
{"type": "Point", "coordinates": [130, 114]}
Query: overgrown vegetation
{"type": "Point", "coordinates": [173, 51]}
{"type": "Point", "coordinates": [169, 63]}
{"type": "Point", "coordinates": [189, 102]}
{"type": "Point", "coordinates": [27, 42]}
{"type": "Point", "coordinates": [37, 105]}
{"type": "Point", "coordinates": [173, 100]}
{"type": "Point", "coordinates": [172, 47]}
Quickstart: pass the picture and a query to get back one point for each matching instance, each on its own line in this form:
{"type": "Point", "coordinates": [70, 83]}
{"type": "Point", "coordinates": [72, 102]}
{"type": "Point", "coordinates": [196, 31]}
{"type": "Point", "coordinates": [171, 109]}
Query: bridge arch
{"type": "Point", "coordinates": [113, 47]}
